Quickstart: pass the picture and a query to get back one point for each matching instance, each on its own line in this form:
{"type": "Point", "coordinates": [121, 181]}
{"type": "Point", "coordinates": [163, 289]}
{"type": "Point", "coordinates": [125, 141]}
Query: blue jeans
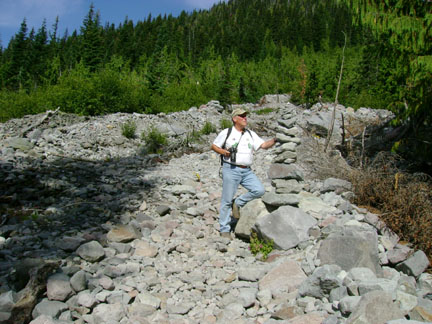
{"type": "Point", "coordinates": [232, 177]}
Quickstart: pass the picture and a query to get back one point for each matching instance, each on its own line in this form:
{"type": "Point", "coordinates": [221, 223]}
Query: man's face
{"type": "Point", "coordinates": [241, 119]}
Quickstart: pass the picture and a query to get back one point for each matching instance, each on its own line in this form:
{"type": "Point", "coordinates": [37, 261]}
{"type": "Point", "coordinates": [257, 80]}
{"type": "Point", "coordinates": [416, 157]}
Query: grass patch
{"type": "Point", "coordinates": [264, 111]}
{"type": "Point", "coordinates": [129, 129]}
{"type": "Point", "coordinates": [225, 123]}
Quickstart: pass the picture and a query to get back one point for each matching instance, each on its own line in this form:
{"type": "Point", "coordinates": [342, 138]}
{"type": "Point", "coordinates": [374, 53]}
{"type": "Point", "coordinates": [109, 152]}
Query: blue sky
{"type": "Point", "coordinates": [71, 13]}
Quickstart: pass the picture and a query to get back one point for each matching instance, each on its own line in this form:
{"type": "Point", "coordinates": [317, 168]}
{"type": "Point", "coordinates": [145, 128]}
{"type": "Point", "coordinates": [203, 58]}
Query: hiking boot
{"type": "Point", "coordinates": [235, 210]}
{"type": "Point", "coordinates": [226, 235]}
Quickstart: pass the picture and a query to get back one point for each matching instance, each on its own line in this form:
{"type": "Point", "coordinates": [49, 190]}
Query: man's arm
{"type": "Point", "coordinates": [219, 150]}
{"type": "Point", "coordinates": [268, 144]}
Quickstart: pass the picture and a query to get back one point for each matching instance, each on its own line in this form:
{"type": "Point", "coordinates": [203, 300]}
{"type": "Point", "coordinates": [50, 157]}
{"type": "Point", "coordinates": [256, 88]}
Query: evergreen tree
{"type": "Point", "coordinates": [39, 54]}
{"type": "Point", "coordinates": [17, 72]}
{"type": "Point", "coordinates": [92, 43]}
{"type": "Point", "coordinates": [403, 32]}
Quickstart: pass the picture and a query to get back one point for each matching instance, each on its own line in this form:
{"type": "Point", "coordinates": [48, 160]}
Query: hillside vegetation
{"type": "Point", "coordinates": [235, 52]}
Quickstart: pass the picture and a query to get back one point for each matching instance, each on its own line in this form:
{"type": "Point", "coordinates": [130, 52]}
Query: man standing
{"type": "Point", "coordinates": [236, 146]}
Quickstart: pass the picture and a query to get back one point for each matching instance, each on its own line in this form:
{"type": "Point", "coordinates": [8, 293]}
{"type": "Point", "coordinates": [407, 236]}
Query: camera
{"type": "Point", "coordinates": [233, 153]}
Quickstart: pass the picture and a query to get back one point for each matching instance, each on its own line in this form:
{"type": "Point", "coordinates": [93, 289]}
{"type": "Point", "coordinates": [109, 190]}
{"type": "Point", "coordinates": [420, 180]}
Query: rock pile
{"type": "Point", "coordinates": [133, 237]}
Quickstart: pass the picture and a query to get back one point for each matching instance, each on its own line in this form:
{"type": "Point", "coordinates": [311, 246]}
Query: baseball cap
{"type": "Point", "coordinates": [238, 111]}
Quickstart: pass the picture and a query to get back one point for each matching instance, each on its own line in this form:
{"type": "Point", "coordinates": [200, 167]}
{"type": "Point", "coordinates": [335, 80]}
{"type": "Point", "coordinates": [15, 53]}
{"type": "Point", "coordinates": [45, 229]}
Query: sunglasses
{"type": "Point", "coordinates": [242, 115]}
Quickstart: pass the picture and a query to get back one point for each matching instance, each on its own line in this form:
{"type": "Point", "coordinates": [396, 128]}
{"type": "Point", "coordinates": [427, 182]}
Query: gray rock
{"type": "Point", "coordinates": [250, 274]}
{"type": "Point", "coordinates": [78, 281]}
{"type": "Point", "coordinates": [180, 309]}
{"type": "Point", "coordinates": [163, 210]}
{"type": "Point", "coordinates": [286, 277]}
{"type": "Point", "coordinates": [287, 123]}
{"type": "Point", "coordinates": [399, 254]}
{"type": "Point", "coordinates": [140, 311]}
{"type": "Point", "coordinates": [381, 284]}
{"type": "Point", "coordinates": [293, 131]}
{"type": "Point", "coordinates": [287, 186]}
{"type": "Point", "coordinates": [58, 287]}
{"type": "Point", "coordinates": [415, 265]}
{"type": "Point", "coordinates": [278, 200]}
{"type": "Point", "coordinates": [7, 301]}
{"type": "Point", "coordinates": [282, 157]}
{"type": "Point", "coordinates": [336, 185]}
{"type": "Point", "coordinates": [319, 124]}
{"type": "Point", "coordinates": [425, 284]}
{"type": "Point", "coordinates": [375, 307]}
{"type": "Point", "coordinates": [282, 138]}
{"type": "Point", "coordinates": [44, 319]}
{"type": "Point", "coordinates": [361, 274]}
{"type": "Point", "coordinates": [148, 299]}
{"type": "Point", "coordinates": [108, 313]}
{"type": "Point", "coordinates": [249, 214]}
{"type": "Point", "coordinates": [338, 293]}
{"type": "Point", "coordinates": [283, 171]}
{"type": "Point", "coordinates": [422, 311]}
{"type": "Point", "coordinates": [351, 248]}
{"type": "Point", "coordinates": [87, 299]}
{"type": "Point", "coordinates": [264, 296]}
{"type": "Point", "coordinates": [51, 308]}
{"type": "Point", "coordinates": [315, 206]}
{"type": "Point", "coordinates": [69, 244]}
{"type": "Point", "coordinates": [181, 189]}
{"type": "Point", "coordinates": [247, 296]}
{"type": "Point", "coordinates": [91, 251]}
{"type": "Point", "coordinates": [323, 280]}
{"type": "Point", "coordinates": [123, 234]}
{"type": "Point", "coordinates": [348, 304]}
{"type": "Point", "coordinates": [20, 143]}
{"type": "Point", "coordinates": [292, 227]}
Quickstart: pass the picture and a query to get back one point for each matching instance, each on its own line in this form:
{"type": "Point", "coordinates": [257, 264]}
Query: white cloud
{"type": "Point", "coordinates": [12, 12]}
{"type": "Point", "coordinates": [203, 4]}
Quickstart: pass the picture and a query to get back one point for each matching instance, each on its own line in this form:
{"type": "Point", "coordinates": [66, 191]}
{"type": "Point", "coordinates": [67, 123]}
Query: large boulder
{"type": "Point", "coordinates": [351, 248]}
{"type": "Point", "coordinates": [376, 307]}
{"type": "Point", "coordinates": [287, 227]}
{"type": "Point", "coordinates": [249, 214]}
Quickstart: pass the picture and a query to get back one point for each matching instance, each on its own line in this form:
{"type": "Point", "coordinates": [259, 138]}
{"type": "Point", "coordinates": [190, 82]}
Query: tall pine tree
{"type": "Point", "coordinates": [92, 42]}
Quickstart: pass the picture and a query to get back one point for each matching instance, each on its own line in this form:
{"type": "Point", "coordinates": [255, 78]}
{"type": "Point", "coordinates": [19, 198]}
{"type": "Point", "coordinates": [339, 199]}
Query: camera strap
{"type": "Point", "coordinates": [223, 145]}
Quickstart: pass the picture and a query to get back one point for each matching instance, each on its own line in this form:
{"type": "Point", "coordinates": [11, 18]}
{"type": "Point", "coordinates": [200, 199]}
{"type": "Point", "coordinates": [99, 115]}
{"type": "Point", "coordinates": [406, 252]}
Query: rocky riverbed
{"type": "Point", "coordinates": [95, 230]}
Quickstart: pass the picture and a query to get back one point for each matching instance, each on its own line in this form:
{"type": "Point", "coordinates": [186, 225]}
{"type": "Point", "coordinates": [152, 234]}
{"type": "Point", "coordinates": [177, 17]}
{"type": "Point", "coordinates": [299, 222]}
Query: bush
{"type": "Point", "coordinates": [225, 123]}
{"type": "Point", "coordinates": [129, 129]}
{"type": "Point", "coordinates": [260, 246]}
{"type": "Point", "coordinates": [403, 200]}
{"type": "Point", "coordinates": [155, 140]}
{"type": "Point", "coordinates": [208, 128]}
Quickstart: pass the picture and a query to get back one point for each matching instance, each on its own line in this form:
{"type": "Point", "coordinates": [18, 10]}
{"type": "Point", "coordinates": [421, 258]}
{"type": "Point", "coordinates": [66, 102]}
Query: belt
{"type": "Point", "coordinates": [238, 165]}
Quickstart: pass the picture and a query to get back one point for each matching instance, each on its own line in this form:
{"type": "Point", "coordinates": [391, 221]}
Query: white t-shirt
{"type": "Point", "coordinates": [249, 142]}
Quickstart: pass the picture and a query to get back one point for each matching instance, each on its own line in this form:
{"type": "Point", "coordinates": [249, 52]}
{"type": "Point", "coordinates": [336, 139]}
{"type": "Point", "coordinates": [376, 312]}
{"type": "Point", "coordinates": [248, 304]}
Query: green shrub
{"type": "Point", "coordinates": [264, 111]}
{"type": "Point", "coordinates": [129, 129]}
{"type": "Point", "coordinates": [208, 128]}
{"type": "Point", "coordinates": [225, 123]}
{"type": "Point", "coordinates": [155, 140]}
{"type": "Point", "coordinates": [260, 246]}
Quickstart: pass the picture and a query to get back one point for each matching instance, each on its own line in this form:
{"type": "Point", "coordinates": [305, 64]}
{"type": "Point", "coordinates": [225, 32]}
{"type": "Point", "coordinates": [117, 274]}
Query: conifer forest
{"type": "Point", "coordinates": [235, 52]}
